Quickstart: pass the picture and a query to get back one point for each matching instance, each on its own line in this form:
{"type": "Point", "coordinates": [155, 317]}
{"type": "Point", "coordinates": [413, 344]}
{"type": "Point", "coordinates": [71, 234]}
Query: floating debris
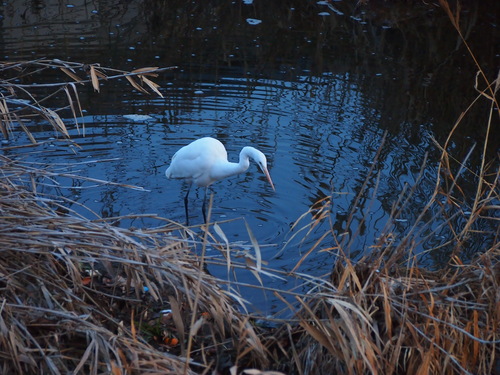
{"type": "Point", "coordinates": [138, 118]}
{"type": "Point", "coordinates": [253, 21]}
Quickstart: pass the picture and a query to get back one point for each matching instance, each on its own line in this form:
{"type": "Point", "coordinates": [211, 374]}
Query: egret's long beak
{"type": "Point", "coordinates": [268, 176]}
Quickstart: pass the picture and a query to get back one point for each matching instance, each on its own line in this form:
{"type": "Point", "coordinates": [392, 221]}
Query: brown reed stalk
{"type": "Point", "coordinates": [21, 103]}
{"type": "Point", "coordinates": [384, 314]}
{"type": "Point", "coordinates": [85, 296]}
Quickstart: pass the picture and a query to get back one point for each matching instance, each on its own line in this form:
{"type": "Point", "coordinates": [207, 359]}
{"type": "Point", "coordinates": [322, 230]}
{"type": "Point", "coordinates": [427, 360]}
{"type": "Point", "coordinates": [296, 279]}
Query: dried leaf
{"type": "Point", "coordinates": [152, 85]}
{"type": "Point", "coordinates": [115, 370]}
{"type": "Point", "coordinates": [136, 85]}
{"type": "Point", "coordinates": [258, 255]}
{"type": "Point", "coordinates": [319, 336]}
{"type": "Point", "coordinates": [93, 78]}
{"type": "Point", "coordinates": [72, 75]}
{"type": "Point", "coordinates": [222, 235]}
{"type": "Point", "coordinates": [132, 326]}
{"type": "Point", "coordinates": [196, 326]}
{"type": "Point", "coordinates": [80, 112]}
{"type": "Point", "coordinates": [70, 101]}
{"type": "Point", "coordinates": [476, 334]}
{"type": "Point", "coordinates": [100, 74]}
{"type": "Point", "coordinates": [253, 269]}
{"type": "Point", "coordinates": [56, 121]}
{"type": "Point", "coordinates": [85, 356]}
{"type": "Point", "coordinates": [177, 317]}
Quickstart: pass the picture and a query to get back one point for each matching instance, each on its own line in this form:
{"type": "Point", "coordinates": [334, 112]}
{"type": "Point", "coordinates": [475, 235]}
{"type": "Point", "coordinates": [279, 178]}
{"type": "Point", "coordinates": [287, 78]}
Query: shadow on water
{"type": "Point", "coordinates": [315, 86]}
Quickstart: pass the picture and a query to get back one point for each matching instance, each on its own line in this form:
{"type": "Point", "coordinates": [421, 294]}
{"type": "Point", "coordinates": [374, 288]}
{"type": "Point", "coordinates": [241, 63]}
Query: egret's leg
{"type": "Point", "coordinates": [204, 205]}
{"type": "Point", "coordinates": [186, 204]}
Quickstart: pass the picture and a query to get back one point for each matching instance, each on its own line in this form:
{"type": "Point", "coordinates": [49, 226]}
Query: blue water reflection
{"type": "Point", "coordinates": [319, 134]}
{"type": "Point", "coordinates": [316, 94]}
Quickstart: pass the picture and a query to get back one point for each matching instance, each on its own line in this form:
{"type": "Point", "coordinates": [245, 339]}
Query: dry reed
{"type": "Point", "coordinates": [88, 297]}
{"type": "Point", "coordinates": [21, 100]}
{"type": "Point", "coordinates": [384, 314]}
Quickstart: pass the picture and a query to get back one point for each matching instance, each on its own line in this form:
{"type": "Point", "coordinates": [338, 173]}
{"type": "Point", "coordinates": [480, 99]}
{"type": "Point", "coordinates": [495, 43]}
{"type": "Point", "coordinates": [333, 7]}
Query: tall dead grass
{"type": "Point", "coordinates": [22, 100]}
{"type": "Point", "coordinates": [86, 297]}
{"type": "Point", "coordinates": [378, 319]}
{"type": "Point", "coordinates": [385, 314]}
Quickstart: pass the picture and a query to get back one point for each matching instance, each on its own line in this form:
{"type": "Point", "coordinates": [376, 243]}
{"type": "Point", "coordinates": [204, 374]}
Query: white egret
{"type": "Point", "coordinates": [204, 161]}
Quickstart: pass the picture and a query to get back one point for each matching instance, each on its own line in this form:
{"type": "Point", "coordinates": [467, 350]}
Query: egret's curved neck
{"type": "Point", "coordinates": [226, 168]}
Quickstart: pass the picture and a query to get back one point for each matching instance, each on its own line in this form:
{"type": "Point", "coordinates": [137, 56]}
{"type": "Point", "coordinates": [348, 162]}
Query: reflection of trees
{"type": "Point", "coordinates": [108, 202]}
{"type": "Point", "coordinates": [207, 37]}
{"type": "Point", "coordinates": [210, 40]}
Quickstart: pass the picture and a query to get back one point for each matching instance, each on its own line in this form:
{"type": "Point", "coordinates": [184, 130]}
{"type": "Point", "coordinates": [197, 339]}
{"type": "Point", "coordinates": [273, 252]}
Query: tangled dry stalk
{"type": "Point", "coordinates": [372, 319]}
{"type": "Point", "coordinates": [21, 100]}
{"type": "Point", "coordinates": [86, 296]}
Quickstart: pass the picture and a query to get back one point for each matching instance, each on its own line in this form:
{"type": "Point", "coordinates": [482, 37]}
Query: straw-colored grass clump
{"type": "Point", "coordinates": [88, 297]}
{"type": "Point", "coordinates": [373, 319]}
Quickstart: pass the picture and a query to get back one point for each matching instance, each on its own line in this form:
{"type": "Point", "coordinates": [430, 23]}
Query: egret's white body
{"type": "Point", "coordinates": [204, 162]}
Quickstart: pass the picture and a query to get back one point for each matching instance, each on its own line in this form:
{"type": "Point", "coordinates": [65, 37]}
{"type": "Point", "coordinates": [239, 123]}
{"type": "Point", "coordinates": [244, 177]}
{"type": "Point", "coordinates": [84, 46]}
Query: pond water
{"type": "Point", "coordinates": [344, 100]}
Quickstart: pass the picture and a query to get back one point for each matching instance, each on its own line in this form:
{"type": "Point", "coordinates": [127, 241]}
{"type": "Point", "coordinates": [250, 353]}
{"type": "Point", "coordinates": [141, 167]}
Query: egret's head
{"type": "Point", "coordinates": [261, 161]}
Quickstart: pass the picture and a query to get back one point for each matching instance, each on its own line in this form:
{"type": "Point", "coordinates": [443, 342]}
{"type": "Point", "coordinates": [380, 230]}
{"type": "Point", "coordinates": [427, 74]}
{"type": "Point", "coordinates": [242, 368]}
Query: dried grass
{"type": "Point", "coordinates": [384, 314]}
{"type": "Point", "coordinates": [87, 297]}
{"type": "Point", "coordinates": [399, 320]}
{"type": "Point", "coordinates": [21, 100]}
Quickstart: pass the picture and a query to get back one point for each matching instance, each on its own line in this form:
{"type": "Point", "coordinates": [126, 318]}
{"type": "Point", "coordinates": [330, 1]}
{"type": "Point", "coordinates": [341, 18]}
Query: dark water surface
{"type": "Point", "coordinates": [314, 85]}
